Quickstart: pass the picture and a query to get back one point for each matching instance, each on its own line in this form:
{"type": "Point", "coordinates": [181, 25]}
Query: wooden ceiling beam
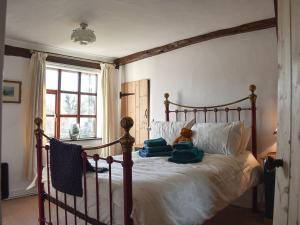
{"type": "Point", "coordinates": [276, 15]}
{"type": "Point", "coordinates": [26, 53]}
{"type": "Point", "coordinates": [16, 51]}
{"type": "Point", "coordinates": [248, 27]}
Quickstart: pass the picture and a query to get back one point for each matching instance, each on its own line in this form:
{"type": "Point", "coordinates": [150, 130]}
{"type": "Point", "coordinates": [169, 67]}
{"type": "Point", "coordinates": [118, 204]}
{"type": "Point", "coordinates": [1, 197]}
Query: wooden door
{"type": "Point", "coordinates": [136, 105]}
{"type": "Point", "coordinates": [287, 187]}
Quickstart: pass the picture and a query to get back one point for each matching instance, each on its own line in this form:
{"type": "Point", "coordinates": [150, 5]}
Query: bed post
{"type": "Point", "coordinates": [167, 104]}
{"type": "Point", "coordinates": [127, 142]}
{"type": "Point", "coordinates": [252, 98]}
{"type": "Point", "coordinates": [40, 186]}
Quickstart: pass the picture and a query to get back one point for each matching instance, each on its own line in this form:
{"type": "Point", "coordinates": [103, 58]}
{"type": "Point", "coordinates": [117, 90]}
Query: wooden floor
{"type": "Point", "coordinates": [24, 211]}
{"type": "Point", "coordinates": [234, 215]}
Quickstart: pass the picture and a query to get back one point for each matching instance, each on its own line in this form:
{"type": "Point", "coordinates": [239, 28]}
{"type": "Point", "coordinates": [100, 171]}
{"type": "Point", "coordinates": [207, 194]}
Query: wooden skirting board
{"type": "Point", "coordinates": [248, 27]}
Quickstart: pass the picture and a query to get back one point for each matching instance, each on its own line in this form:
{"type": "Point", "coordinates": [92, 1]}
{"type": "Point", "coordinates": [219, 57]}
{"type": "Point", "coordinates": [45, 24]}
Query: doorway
{"type": "Point", "coordinates": [135, 101]}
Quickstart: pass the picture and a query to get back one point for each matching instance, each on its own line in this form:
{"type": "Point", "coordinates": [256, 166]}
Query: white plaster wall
{"type": "Point", "coordinates": [215, 72]}
{"type": "Point", "coordinates": [13, 126]}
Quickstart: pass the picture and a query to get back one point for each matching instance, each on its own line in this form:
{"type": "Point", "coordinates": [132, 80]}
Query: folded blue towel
{"type": "Point", "coordinates": [184, 145]}
{"type": "Point", "coordinates": [145, 153]}
{"type": "Point", "coordinates": [155, 142]}
{"type": "Point", "coordinates": [183, 156]}
{"type": "Point", "coordinates": [158, 148]}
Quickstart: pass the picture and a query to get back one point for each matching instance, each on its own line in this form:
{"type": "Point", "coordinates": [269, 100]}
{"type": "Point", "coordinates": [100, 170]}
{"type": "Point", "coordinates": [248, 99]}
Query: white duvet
{"type": "Point", "coordinates": [166, 193]}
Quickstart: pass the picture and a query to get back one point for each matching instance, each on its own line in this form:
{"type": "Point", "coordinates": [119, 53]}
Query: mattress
{"type": "Point", "coordinates": [166, 193]}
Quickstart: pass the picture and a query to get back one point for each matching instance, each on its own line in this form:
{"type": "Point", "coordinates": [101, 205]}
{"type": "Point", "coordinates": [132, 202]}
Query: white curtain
{"type": "Point", "coordinates": [35, 108]}
{"type": "Point", "coordinates": [109, 116]}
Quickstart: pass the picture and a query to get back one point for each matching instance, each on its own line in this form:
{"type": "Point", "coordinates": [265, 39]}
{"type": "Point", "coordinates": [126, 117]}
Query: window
{"type": "Point", "coordinates": [71, 98]}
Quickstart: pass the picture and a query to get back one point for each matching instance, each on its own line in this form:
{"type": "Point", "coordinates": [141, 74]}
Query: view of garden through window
{"type": "Point", "coordinates": [71, 99]}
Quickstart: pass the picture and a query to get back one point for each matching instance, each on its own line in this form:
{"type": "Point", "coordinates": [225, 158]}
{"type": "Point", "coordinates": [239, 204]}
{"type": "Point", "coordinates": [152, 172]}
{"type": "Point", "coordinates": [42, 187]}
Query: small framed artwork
{"type": "Point", "coordinates": [11, 91]}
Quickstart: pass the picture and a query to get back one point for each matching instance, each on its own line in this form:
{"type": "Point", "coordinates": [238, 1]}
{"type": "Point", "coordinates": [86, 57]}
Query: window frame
{"type": "Point", "coordinates": [57, 93]}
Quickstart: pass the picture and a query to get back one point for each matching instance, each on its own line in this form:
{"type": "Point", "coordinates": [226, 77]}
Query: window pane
{"type": "Point", "coordinates": [88, 83]}
{"type": "Point", "coordinates": [87, 127]}
{"type": "Point", "coordinates": [69, 81]}
{"type": "Point", "coordinates": [51, 79]}
{"type": "Point", "coordinates": [65, 125]}
{"type": "Point", "coordinates": [68, 104]}
{"type": "Point", "coordinates": [50, 126]}
{"type": "Point", "coordinates": [50, 104]}
{"type": "Point", "coordinates": [88, 105]}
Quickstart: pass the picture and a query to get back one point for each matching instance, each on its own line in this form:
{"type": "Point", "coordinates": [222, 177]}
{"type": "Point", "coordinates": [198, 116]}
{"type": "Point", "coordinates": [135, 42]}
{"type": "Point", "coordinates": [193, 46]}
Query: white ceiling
{"type": "Point", "coordinates": [123, 26]}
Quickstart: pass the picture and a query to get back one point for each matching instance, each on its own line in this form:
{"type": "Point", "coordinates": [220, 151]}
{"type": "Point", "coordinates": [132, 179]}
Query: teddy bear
{"type": "Point", "coordinates": [185, 135]}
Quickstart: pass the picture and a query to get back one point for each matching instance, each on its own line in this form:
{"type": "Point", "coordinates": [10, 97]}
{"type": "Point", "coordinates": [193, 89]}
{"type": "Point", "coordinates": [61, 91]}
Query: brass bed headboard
{"type": "Point", "coordinates": [235, 107]}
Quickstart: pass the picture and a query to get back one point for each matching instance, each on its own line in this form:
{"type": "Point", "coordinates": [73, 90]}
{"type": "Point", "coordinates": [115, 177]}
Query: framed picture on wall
{"type": "Point", "coordinates": [11, 91]}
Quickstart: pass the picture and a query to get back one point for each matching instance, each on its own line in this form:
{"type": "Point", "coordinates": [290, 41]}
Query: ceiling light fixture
{"type": "Point", "coordinates": [83, 35]}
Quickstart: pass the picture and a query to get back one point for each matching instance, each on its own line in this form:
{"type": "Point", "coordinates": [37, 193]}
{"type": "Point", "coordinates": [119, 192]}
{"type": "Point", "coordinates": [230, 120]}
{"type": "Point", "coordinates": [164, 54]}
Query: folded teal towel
{"type": "Point", "coordinates": [184, 145]}
{"type": "Point", "coordinates": [145, 153]}
{"type": "Point", "coordinates": [155, 142]}
{"type": "Point", "coordinates": [183, 156]}
{"type": "Point", "coordinates": [158, 148]}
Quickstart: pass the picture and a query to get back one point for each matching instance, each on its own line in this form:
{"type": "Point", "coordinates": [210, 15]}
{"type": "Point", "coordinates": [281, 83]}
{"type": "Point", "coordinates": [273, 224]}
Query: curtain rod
{"type": "Point", "coordinates": [71, 57]}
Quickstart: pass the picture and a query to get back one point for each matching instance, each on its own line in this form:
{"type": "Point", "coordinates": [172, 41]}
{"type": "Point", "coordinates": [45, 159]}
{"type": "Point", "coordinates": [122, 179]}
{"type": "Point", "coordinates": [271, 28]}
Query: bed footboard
{"type": "Point", "coordinates": [58, 208]}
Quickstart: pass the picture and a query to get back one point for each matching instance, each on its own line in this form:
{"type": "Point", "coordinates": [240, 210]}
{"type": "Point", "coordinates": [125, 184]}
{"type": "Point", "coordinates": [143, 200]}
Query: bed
{"type": "Point", "coordinates": [153, 190]}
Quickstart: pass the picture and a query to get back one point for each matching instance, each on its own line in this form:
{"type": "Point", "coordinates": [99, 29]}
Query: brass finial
{"type": "Point", "coordinates": [252, 96]}
{"type": "Point", "coordinates": [252, 88]}
{"type": "Point", "coordinates": [166, 96]}
{"type": "Point", "coordinates": [127, 140]}
{"type": "Point", "coordinates": [126, 123]}
{"type": "Point", "coordinates": [38, 121]}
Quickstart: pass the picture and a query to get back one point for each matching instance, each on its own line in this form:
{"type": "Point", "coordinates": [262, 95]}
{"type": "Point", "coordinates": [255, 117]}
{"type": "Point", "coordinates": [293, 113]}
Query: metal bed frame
{"type": "Point", "coordinates": [126, 142]}
{"type": "Point", "coordinates": [231, 107]}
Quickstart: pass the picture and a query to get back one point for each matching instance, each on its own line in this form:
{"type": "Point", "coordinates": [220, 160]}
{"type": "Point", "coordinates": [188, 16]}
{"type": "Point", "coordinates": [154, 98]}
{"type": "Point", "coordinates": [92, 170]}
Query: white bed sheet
{"type": "Point", "coordinates": [166, 193]}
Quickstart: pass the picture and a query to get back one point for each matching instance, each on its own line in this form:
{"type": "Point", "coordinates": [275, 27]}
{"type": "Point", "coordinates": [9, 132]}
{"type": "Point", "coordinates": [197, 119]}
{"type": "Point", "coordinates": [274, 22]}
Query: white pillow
{"type": "Point", "coordinates": [167, 130]}
{"type": "Point", "coordinates": [218, 138]}
{"type": "Point", "coordinates": [245, 138]}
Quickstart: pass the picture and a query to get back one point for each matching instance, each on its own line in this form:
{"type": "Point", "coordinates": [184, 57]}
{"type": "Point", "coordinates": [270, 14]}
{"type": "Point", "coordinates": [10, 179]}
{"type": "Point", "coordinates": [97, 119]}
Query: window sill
{"type": "Point", "coordinates": [85, 142]}
{"type": "Point", "coordinates": [81, 139]}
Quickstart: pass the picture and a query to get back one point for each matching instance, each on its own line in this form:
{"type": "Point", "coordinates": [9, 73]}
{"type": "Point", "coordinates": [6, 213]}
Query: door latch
{"type": "Point", "coordinates": [123, 94]}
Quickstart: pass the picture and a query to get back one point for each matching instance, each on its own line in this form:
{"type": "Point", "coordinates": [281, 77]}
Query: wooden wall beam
{"type": "Point", "coordinates": [26, 53]}
{"type": "Point", "coordinates": [248, 27]}
{"type": "Point", "coordinates": [74, 62]}
{"type": "Point", "coordinates": [276, 15]}
{"type": "Point", "coordinates": [16, 51]}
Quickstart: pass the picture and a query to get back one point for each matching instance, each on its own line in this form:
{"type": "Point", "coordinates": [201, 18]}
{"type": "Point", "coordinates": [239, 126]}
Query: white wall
{"type": "Point", "coordinates": [15, 68]}
{"type": "Point", "coordinates": [214, 72]}
{"type": "Point", "coordinates": [13, 126]}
